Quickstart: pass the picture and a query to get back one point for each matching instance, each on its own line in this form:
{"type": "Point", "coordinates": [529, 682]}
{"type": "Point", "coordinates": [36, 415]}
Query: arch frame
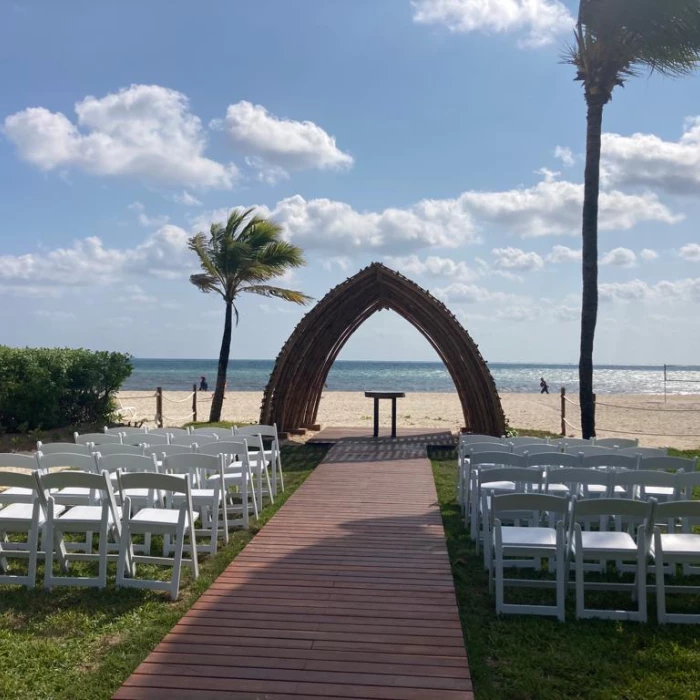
{"type": "Point", "coordinates": [293, 393]}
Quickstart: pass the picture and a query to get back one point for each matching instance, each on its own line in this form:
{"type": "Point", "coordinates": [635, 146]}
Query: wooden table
{"type": "Point", "coordinates": [377, 395]}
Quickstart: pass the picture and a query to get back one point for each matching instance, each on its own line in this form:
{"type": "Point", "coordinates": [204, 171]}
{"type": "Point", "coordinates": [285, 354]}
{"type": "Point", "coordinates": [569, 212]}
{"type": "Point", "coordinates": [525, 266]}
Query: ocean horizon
{"type": "Point", "coordinates": [357, 375]}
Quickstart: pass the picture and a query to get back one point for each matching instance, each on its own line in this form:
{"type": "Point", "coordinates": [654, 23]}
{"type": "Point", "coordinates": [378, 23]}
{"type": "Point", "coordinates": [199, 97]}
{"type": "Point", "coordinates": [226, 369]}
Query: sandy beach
{"type": "Point", "coordinates": [675, 423]}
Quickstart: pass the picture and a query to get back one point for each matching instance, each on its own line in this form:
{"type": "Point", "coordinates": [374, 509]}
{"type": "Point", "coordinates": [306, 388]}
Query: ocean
{"type": "Point", "coordinates": [252, 375]}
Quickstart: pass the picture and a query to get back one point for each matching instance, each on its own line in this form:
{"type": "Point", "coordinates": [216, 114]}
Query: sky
{"type": "Point", "coordinates": [444, 138]}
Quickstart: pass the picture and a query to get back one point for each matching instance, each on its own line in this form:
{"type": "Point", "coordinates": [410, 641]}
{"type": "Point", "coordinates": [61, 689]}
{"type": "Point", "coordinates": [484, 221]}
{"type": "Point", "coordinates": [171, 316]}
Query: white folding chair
{"type": "Point", "coordinates": [83, 463]}
{"type": "Point", "coordinates": [529, 543]}
{"type": "Point", "coordinates": [98, 438]}
{"type": "Point", "coordinates": [672, 548]}
{"type": "Point", "coordinates": [172, 521]}
{"type": "Point", "coordinates": [101, 516]}
{"type": "Point", "coordinates": [23, 517]}
{"type": "Point", "coordinates": [120, 449]}
{"type": "Point", "coordinates": [206, 432]}
{"type": "Point", "coordinates": [149, 439]}
{"type": "Point", "coordinates": [126, 429]}
{"type": "Point", "coordinates": [221, 433]}
{"type": "Point", "coordinates": [517, 441]}
{"type": "Point", "coordinates": [591, 450]}
{"type": "Point", "coordinates": [64, 448]}
{"type": "Point", "coordinates": [565, 443]}
{"type": "Point", "coordinates": [464, 474]}
{"type": "Point", "coordinates": [644, 484]}
{"type": "Point", "coordinates": [606, 544]}
{"type": "Point", "coordinates": [206, 474]}
{"type": "Point", "coordinates": [161, 451]}
{"type": "Point", "coordinates": [18, 494]}
{"type": "Point", "coordinates": [273, 455]}
{"type": "Point", "coordinates": [668, 464]}
{"type": "Point", "coordinates": [644, 451]}
{"type": "Point", "coordinates": [550, 463]}
{"type": "Point", "coordinates": [497, 456]}
{"type": "Point", "coordinates": [578, 481]}
{"type": "Point", "coordinates": [189, 440]}
{"type": "Point", "coordinates": [238, 475]}
{"type": "Point", "coordinates": [536, 448]}
{"type": "Point", "coordinates": [619, 443]}
{"type": "Point", "coordinates": [169, 431]}
{"type": "Point", "coordinates": [258, 462]}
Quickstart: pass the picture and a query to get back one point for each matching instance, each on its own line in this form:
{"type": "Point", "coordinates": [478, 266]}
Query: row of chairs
{"type": "Point", "coordinates": [559, 530]}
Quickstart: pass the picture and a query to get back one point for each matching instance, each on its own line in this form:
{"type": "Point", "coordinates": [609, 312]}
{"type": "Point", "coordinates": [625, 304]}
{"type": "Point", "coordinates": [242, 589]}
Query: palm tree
{"type": "Point", "coordinates": [615, 40]}
{"type": "Point", "coordinates": [242, 256]}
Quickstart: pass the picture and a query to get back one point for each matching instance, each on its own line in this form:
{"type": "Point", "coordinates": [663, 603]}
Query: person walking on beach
{"type": "Point", "coordinates": [544, 389]}
{"type": "Point", "coordinates": [203, 386]}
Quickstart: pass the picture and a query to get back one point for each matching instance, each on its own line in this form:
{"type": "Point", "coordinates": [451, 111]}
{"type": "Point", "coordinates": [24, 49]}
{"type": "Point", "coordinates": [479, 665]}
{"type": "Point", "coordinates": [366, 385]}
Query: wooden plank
{"type": "Point", "coordinates": [347, 593]}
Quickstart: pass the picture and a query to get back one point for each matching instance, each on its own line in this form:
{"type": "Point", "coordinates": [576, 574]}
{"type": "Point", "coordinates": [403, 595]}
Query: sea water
{"type": "Point", "coordinates": [252, 375]}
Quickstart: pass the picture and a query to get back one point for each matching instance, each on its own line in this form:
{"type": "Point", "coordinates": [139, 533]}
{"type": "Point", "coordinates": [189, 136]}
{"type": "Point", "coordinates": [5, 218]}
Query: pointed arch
{"type": "Point", "coordinates": [292, 396]}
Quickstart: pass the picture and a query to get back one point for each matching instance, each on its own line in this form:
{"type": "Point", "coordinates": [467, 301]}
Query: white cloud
{"type": "Point", "coordinates": [649, 161]}
{"type": "Point", "coordinates": [55, 315]}
{"type": "Point", "coordinates": [145, 220]}
{"type": "Point", "coordinates": [553, 207]}
{"type": "Point", "coordinates": [541, 21]}
{"type": "Point", "coordinates": [691, 252]}
{"type": "Point", "coordinates": [562, 254]}
{"type": "Point", "coordinates": [275, 145]}
{"type": "Point", "coordinates": [432, 265]}
{"type": "Point", "coordinates": [620, 257]}
{"type": "Point", "coordinates": [134, 294]}
{"type": "Point", "coordinates": [88, 262]}
{"type": "Point", "coordinates": [565, 155]}
{"type": "Point", "coordinates": [186, 199]}
{"type": "Point", "coordinates": [144, 131]}
{"type": "Point", "coordinates": [648, 254]}
{"type": "Point", "coordinates": [684, 290]}
{"type": "Point", "coordinates": [340, 261]}
{"type": "Point", "coordinates": [460, 292]}
{"type": "Point", "coordinates": [516, 259]}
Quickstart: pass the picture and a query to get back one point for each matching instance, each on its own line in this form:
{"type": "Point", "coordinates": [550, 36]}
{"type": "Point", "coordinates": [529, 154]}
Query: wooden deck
{"type": "Point", "coordinates": [345, 593]}
{"type": "Point", "coordinates": [425, 436]}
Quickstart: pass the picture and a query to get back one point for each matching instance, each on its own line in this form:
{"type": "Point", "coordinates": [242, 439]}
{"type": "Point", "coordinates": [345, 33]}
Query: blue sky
{"type": "Point", "coordinates": [441, 137]}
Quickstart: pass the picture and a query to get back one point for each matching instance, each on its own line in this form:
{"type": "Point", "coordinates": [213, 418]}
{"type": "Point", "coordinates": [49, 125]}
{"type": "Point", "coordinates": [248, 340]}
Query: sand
{"type": "Point", "coordinates": [675, 423]}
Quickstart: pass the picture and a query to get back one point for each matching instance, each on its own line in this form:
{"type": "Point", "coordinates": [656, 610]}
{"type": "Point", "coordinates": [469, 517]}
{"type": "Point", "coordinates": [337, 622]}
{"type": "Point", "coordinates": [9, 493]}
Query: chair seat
{"type": "Point", "coordinates": [499, 486]}
{"type": "Point", "coordinates": [596, 488]}
{"type": "Point", "coordinates": [78, 491]}
{"type": "Point", "coordinates": [15, 491]}
{"type": "Point", "coordinates": [607, 541]}
{"type": "Point", "coordinates": [555, 488]}
{"type": "Point", "coordinates": [22, 512]}
{"type": "Point", "coordinates": [82, 514]}
{"type": "Point", "coordinates": [160, 516]}
{"type": "Point", "coordinates": [138, 493]}
{"type": "Point", "coordinates": [681, 543]}
{"type": "Point", "coordinates": [529, 536]}
{"type": "Point", "coordinates": [659, 490]}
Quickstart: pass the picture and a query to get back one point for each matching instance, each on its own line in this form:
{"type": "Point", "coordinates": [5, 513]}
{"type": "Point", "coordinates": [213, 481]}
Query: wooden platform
{"type": "Point", "coordinates": [346, 593]}
{"type": "Point", "coordinates": [415, 436]}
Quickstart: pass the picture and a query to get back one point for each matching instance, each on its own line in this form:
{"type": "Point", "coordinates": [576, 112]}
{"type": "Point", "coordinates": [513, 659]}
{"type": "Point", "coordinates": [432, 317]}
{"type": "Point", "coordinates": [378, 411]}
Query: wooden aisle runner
{"type": "Point", "coordinates": [345, 593]}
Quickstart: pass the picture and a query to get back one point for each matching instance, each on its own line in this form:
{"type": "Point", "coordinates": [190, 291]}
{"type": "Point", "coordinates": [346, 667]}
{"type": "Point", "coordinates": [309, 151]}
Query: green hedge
{"type": "Point", "coordinates": [43, 388]}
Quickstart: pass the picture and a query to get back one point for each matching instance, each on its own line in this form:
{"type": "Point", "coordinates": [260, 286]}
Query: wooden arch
{"type": "Point", "coordinates": [292, 396]}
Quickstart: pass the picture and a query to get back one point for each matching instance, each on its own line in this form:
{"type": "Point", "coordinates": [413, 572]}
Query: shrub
{"type": "Point", "coordinates": [44, 388]}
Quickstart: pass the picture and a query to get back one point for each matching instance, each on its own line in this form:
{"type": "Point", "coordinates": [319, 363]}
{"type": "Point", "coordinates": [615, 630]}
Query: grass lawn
{"type": "Point", "coordinates": [519, 657]}
{"type": "Point", "coordinates": [83, 643]}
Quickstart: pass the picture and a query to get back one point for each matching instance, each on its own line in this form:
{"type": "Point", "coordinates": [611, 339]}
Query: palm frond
{"type": "Point", "coordinates": [265, 290]}
{"type": "Point", "coordinates": [206, 283]}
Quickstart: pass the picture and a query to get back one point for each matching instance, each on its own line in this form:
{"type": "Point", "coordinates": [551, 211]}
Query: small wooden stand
{"type": "Point", "coordinates": [377, 395]}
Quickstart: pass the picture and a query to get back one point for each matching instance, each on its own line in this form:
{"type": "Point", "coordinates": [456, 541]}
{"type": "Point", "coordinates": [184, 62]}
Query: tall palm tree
{"type": "Point", "coordinates": [242, 256]}
{"type": "Point", "coordinates": [615, 40]}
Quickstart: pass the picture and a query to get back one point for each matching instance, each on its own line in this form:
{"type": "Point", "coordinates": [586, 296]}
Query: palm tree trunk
{"type": "Point", "coordinates": [589, 302]}
{"type": "Point", "coordinates": [218, 400]}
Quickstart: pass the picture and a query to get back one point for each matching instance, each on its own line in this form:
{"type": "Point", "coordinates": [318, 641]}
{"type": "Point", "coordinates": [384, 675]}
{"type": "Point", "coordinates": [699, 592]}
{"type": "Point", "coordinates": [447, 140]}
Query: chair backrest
{"type": "Point", "coordinates": [12, 479]}
{"type": "Point", "coordinates": [591, 450]}
{"type": "Point", "coordinates": [160, 450]}
{"type": "Point", "coordinates": [191, 462]}
{"type": "Point", "coordinates": [80, 480]}
{"type": "Point", "coordinates": [517, 474]}
{"type": "Point", "coordinates": [148, 439]}
{"type": "Point", "coordinates": [685, 483]}
{"type": "Point", "coordinates": [221, 433]}
{"type": "Point", "coordinates": [208, 432]}
{"type": "Point", "coordinates": [230, 448]}
{"type": "Point", "coordinates": [552, 459]}
{"type": "Point", "coordinates": [127, 463]}
{"type": "Point", "coordinates": [527, 441]}
{"type": "Point", "coordinates": [510, 502]}
{"type": "Point", "coordinates": [162, 482]}
{"type": "Point", "coordinates": [644, 451]}
{"type": "Point", "coordinates": [17, 461]}
{"type": "Point", "coordinates": [475, 447]}
{"type": "Point", "coordinates": [257, 429]}
{"type": "Point", "coordinates": [188, 440]}
{"type": "Point", "coordinates": [467, 438]}
{"type": "Point", "coordinates": [594, 507]}
{"type": "Point", "coordinates": [169, 431]}
{"type": "Point", "coordinates": [105, 450]}
{"type": "Point", "coordinates": [668, 464]}
{"type": "Point", "coordinates": [126, 429]}
{"type": "Point", "coordinates": [535, 448]}
{"type": "Point", "coordinates": [620, 443]}
{"type": "Point", "coordinates": [670, 510]}
{"type": "Point", "coordinates": [609, 461]}
{"type": "Point", "coordinates": [578, 475]}
{"type": "Point", "coordinates": [498, 458]}
{"type": "Point", "coordinates": [569, 442]}
{"type": "Point", "coordinates": [644, 478]}
{"type": "Point", "coordinates": [63, 448]}
{"type": "Point", "coordinates": [84, 463]}
{"type": "Point", "coordinates": [97, 438]}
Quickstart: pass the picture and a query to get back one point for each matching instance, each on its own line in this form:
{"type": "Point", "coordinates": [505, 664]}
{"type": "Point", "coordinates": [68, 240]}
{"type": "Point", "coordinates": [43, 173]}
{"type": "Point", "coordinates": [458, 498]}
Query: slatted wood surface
{"type": "Point", "coordinates": [424, 436]}
{"type": "Point", "coordinates": [345, 593]}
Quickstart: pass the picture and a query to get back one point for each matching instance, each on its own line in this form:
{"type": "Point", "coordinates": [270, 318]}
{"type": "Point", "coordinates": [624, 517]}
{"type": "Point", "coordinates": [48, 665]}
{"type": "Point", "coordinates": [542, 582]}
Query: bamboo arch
{"type": "Point", "coordinates": [292, 396]}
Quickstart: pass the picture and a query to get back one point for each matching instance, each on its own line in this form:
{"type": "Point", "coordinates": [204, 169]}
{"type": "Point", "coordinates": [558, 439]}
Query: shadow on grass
{"type": "Point", "coordinates": [83, 643]}
{"type": "Point", "coordinates": [537, 658]}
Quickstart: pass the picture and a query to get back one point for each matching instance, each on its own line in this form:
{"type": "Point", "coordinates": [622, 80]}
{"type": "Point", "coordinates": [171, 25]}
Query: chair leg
{"type": "Point", "coordinates": [499, 578]}
{"type": "Point", "coordinates": [33, 544]}
{"type": "Point", "coordinates": [642, 583]}
{"type": "Point", "coordinates": [578, 564]}
{"type": "Point", "coordinates": [178, 544]}
{"type": "Point", "coordinates": [279, 469]}
{"type": "Point", "coordinates": [124, 547]}
{"type": "Point", "coordinates": [104, 540]}
{"type": "Point", "coordinates": [561, 584]}
{"type": "Point", "coordinates": [48, 551]}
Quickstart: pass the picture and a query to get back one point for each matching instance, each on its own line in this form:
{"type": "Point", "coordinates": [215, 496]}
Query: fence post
{"type": "Point", "coordinates": [194, 403]}
{"type": "Point", "coordinates": [159, 407]}
{"type": "Point", "coordinates": [563, 411]}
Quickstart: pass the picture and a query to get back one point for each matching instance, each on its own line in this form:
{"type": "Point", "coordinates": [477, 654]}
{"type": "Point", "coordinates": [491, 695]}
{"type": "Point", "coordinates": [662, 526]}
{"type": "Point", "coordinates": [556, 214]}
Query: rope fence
{"type": "Point", "coordinates": [195, 397]}
{"type": "Point", "coordinates": [566, 423]}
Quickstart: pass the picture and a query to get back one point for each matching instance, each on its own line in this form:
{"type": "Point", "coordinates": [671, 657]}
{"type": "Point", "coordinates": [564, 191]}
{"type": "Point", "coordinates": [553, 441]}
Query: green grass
{"type": "Point", "coordinates": [77, 643]}
{"type": "Point", "coordinates": [517, 657]}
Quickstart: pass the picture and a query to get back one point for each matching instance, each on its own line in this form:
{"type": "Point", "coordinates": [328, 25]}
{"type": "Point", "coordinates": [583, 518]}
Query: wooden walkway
{"type": "Point", "coordinates": [345, 593]}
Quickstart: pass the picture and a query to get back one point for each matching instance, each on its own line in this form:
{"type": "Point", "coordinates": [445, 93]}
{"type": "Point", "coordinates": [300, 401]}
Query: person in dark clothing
{"type": "Point", "coordinates": [544, 389]}
{"type": "Point", "coordinates": [203, 386]}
